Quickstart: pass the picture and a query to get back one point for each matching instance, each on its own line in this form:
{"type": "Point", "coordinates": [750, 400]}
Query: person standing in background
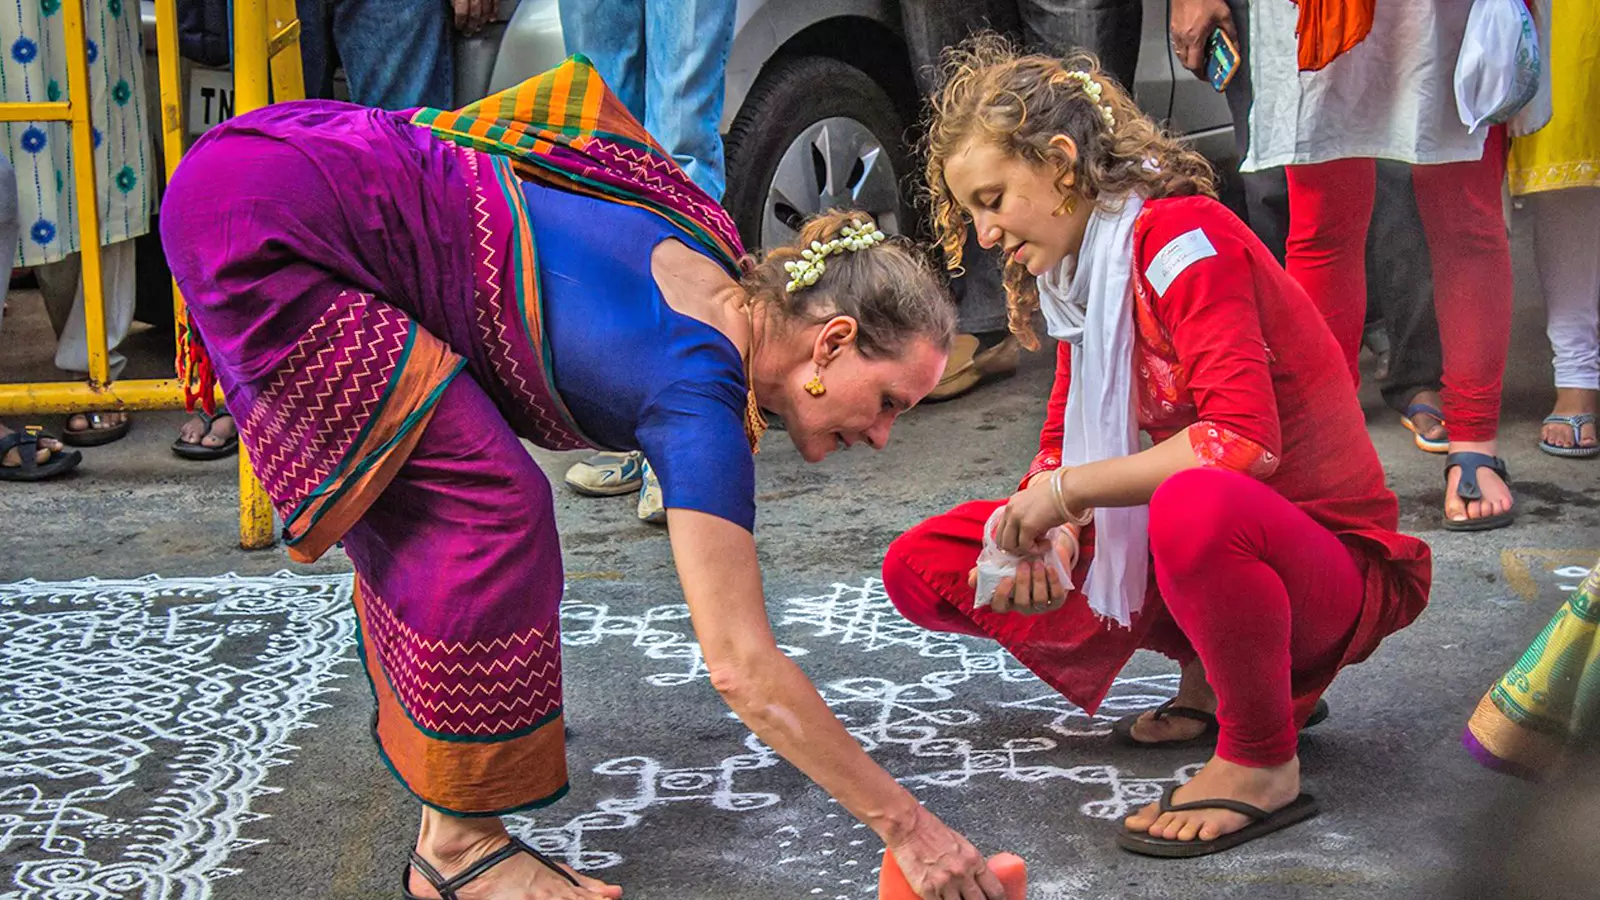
{"type": "Point", "coordinates": [396, 54]}
{"type": "Point", "coordinates": [26, 455]}
{"type": "Point", "coordinates": [1399, 276]}
{"type": "Point", "coordinates": [1558, 170]}
{"type": "Point", "coordinates": [34, 70]}
{"type": "Point", "coordinates": [666, 61]}
{"type": "Point", "coordinates": [1389, 98]}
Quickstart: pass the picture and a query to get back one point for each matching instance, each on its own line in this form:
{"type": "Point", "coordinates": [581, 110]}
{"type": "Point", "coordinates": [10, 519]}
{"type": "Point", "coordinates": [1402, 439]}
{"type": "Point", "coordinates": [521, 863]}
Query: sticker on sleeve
{"type": "Point", "coordinates": [1182, 252]}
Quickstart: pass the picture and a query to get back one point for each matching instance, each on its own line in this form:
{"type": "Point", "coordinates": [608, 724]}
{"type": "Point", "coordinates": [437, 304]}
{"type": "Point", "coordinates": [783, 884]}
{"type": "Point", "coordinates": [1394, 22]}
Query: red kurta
{"type": "Point", "coordinates": [1235, 352]}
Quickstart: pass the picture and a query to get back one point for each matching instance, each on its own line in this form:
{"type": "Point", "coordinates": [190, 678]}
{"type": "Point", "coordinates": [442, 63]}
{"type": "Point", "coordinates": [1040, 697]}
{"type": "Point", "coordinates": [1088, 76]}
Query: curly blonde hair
{"type": "Point", "coordinates": [989, 91]}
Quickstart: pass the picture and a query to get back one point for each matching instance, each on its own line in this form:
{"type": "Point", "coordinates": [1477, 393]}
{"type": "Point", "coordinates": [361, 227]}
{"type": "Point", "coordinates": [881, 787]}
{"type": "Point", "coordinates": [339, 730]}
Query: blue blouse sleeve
{"type": "Point", "coordinates": [692, 432]}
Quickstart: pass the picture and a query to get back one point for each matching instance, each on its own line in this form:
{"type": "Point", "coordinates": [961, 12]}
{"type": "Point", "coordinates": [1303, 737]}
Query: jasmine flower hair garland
{"type": "Point", "coordinates": [805, 271]}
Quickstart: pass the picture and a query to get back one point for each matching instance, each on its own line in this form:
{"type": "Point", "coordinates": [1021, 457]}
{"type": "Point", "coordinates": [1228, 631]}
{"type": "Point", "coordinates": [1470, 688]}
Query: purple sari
{"type": "Point", "coordinates": [343, 268]}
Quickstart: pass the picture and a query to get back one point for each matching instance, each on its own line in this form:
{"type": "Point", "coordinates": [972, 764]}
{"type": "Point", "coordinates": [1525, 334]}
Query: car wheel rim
{"type": "Point", "coordinates": [836, 162]}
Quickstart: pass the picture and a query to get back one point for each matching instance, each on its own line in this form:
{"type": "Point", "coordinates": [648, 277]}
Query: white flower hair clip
{"type": "Point", "coordinates": [805, 271]}
{"type": "Point", "coordinates": [1096, 93]}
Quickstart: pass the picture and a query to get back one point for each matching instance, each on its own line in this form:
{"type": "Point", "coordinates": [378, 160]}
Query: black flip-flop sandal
{"type": "Point", "coordinates": [1262, 823]}
{"type": "Point", "coordinates": [98, 433]}
{"type": "Point", "coordinates": [1467, 489]}
{"type": "Point", "coordinates": [201, 452]}
{"type": "Point", "coordinates": [26, 442]}
{"type": "Point", "coordinates": [1122, 729]}
{"type": "Point", "coordinates": [447, 887]}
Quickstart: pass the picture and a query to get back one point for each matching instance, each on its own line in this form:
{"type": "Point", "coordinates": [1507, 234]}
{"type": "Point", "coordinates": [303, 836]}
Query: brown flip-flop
{"type": "Point", "coordinates": [1262, 823]}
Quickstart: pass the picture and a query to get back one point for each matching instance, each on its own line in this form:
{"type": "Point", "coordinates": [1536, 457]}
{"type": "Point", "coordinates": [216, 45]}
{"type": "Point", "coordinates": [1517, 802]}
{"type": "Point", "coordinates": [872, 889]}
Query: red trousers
{"type": "Point", "coordinates": [1250, 583]}
{"type": "Point", "coordinates": [1330, 206]}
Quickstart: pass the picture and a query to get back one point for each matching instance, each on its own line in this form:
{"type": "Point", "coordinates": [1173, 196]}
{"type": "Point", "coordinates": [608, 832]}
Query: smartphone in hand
{"type": "Point", "coordinates": [1222, 60]}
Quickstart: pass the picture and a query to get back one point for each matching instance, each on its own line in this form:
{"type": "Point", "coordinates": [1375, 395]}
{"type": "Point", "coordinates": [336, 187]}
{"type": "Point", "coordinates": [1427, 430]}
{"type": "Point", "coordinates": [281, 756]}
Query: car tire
{"type": "Point", "coordinates": [832, 106]}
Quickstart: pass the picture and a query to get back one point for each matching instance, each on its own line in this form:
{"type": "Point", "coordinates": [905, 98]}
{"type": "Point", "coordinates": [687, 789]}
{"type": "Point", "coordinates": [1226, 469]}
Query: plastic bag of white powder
{"type": "Point", "coordinates": [995, 564]}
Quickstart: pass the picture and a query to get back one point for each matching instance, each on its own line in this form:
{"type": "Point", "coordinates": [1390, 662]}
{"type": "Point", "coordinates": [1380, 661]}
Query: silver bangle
{"type": "Point", "coordinates": [1081, 519]}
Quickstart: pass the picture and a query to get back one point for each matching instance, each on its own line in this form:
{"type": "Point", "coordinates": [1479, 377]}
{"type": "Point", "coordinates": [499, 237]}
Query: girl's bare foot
{"type": "Point", "coordinates": [452, 845]}
{"type": "Point", "coordinates": [1270, 789]}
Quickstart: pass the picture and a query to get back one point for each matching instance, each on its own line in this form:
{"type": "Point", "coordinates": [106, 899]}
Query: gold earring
{"type": "Point", "coordinates": [815, 387]}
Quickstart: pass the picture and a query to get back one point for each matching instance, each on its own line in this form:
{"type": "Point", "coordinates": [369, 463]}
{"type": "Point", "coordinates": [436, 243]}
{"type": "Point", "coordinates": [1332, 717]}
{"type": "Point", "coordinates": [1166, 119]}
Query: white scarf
{"type": "Point", "coordinates": [1087, 301]}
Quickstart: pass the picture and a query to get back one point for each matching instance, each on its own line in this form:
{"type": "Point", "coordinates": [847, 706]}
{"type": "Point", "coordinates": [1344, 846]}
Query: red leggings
{"type": "Point", "coordinates": [1264, 595]}
{"type": "Point", "coordinates": [1330, 206]}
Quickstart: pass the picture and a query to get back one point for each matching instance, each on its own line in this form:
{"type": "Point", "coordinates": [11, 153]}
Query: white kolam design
{"type": "Point", "coordinates": [142, 719]}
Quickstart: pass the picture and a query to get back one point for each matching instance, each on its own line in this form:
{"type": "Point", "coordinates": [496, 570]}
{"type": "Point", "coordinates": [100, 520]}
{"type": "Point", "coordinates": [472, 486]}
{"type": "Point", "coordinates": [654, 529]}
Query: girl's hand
{"type": "Point", "coordinates": [1035, 588]}
{"type": "Point", "coordinates": [1026, 517]}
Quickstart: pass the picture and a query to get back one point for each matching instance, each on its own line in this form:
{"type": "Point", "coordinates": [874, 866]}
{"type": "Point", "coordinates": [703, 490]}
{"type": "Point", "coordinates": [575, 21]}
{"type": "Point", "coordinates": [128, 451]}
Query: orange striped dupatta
{"type": "Point", "coordinates": [566, 128]}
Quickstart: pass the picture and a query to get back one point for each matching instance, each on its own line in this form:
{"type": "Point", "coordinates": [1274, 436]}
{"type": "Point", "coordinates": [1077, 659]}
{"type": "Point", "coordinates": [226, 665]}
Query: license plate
{"type": "Point", "coordinates": [210, 98]}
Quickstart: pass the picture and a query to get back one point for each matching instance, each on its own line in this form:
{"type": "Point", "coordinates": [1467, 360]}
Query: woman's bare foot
{"type": "Point", "coordinates": [1496, 493]}
{"type": "Point", "coordinates": [1193, 692]}
{"type": "Point", "coordinates": [1571, 402]}
{"type": "Point", "coordinates": [452, 845]}
{"type": "Point", "coordinates": [1269, 789]}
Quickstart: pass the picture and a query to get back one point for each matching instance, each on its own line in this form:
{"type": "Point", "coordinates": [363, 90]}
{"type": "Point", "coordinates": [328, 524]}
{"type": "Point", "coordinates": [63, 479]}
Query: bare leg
{"type": "Point", "coordinates": [452, 844]}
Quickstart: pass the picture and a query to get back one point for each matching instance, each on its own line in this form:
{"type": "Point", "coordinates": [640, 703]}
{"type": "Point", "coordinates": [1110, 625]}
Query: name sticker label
{"type": "Point", "coordinates": [1182, 252]}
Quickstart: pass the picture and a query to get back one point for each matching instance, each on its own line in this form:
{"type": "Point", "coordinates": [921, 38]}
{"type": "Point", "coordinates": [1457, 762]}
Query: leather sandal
{"type": "Point", "coordinates": [28, 467]}
{"type": "Point", "coordinates": [447, 887]}
{"type": "Point", "coordinates": [99, 432]}
{"type": "Point", "coordinates": [198, 450]}
{"type": "Point", "coordinates": [1468, 490]}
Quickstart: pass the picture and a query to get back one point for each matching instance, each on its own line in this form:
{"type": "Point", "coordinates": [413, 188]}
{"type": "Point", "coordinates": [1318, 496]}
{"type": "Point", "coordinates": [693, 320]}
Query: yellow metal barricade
{"type": "Point", "coordinates": [266, 65]}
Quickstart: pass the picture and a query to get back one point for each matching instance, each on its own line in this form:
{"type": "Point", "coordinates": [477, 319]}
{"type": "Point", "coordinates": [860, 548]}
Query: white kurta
{"type": "Point", "coordinates": [1390, 97]}
{"type": "Point", "coordinates": [33, 68]}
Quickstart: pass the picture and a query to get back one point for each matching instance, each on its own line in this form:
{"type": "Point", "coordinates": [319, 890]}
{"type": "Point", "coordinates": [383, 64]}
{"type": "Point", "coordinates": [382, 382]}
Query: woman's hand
{"type": "Point", "coordinates": [1035, 588]}
{"type": "Point", "coordinates": [940, 864]}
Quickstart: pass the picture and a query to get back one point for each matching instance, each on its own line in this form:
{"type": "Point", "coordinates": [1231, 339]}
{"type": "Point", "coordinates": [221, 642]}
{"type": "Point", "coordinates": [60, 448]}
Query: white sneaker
{"type": "Point", "coordinates": [607, 474]}
{"type": "Point", "coordinates": [650, 503]}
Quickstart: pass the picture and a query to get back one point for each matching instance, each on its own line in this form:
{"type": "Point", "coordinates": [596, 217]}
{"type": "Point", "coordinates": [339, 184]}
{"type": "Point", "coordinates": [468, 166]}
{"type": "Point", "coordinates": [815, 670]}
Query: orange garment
{"type": "Point", "coordinates": [1328, 28]}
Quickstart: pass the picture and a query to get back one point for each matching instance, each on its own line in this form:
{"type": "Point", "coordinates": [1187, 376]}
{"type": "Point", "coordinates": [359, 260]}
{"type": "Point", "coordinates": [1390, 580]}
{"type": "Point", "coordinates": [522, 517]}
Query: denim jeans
{"type": "Point", "coordinates": [930, 26]}
{"type": "Point", "coordinates": [1107, 28]}
{"type": "Point", "coordinates": [396, 54]}
{"type": "Point", "coordinates": [665, 60]}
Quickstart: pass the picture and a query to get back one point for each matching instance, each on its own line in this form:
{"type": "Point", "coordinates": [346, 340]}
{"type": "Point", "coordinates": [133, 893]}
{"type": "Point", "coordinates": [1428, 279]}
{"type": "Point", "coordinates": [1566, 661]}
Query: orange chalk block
{"type": "Point", "coordinates": [1008, 867]}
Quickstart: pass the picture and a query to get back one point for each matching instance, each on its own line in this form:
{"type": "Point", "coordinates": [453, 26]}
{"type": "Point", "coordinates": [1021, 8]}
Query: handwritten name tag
{"type": "Point", "coordinates": [1184, 251]}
